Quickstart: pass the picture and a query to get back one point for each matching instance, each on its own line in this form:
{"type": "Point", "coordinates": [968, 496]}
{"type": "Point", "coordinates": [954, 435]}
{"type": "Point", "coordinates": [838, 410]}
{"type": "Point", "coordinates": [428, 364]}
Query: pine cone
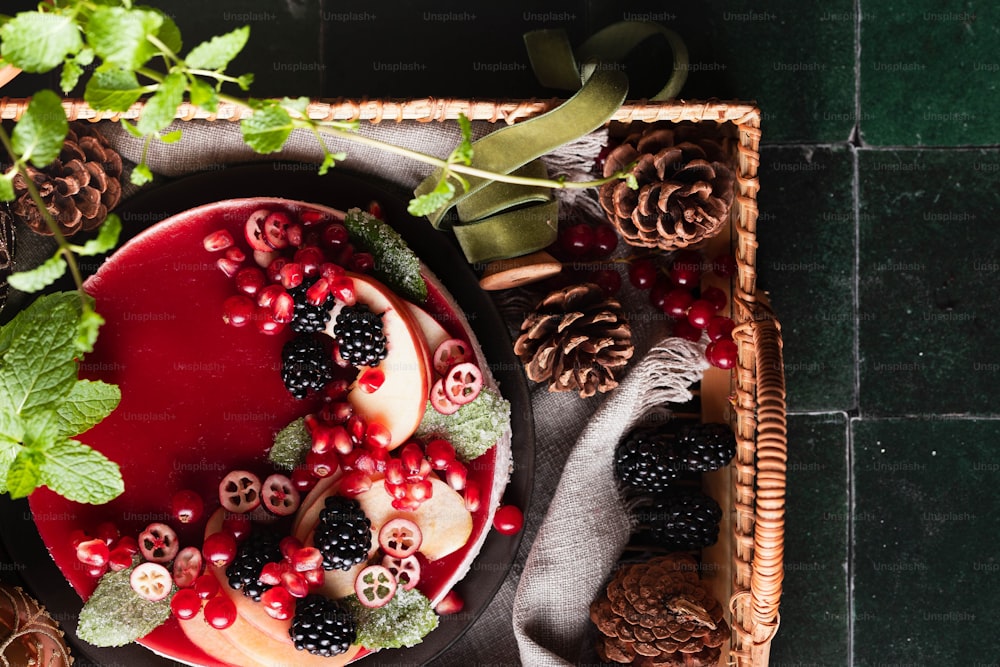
{"type": "Point", "coordinates": [685, 189]}
{"type": "Point", "coordinates": [658, 614]}
{"type": "Point", "coordinates": [577, 340]}
{"type": "Point", "coordinates": [79, 187]}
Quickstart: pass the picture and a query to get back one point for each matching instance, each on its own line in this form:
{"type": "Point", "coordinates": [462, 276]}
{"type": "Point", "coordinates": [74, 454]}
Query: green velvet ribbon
{"type": "Point", "coordinates": [500, 220]}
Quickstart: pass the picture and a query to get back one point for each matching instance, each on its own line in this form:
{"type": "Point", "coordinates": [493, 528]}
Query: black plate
{"type": "Point", "coordinates": [27, 556]}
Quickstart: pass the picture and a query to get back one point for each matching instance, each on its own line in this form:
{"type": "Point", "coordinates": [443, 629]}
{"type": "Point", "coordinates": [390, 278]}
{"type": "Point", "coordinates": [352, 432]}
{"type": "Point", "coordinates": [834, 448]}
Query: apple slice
{"type": "Point", "coordinates": [398, 404]}
{"type": "Point", "coordinates": [434, 333]}
{"type": "Point", "coordinates": [214, 644]}
{"type": "Point", "coordinates": [322, 486]}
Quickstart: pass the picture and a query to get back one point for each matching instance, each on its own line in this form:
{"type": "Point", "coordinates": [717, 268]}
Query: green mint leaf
{"type": "Point", "coordinates": [119, 35]}
{"type": "Point", "coordinates": [6, 187]}
{"type": "Point", "coordinates": [86, 330]}
{"type": "Point", "coordinates": [39, 277]}
{"type": "Point", "coordinates": [431, 201]}
{"type": "Point", "coordinates": [112, 90]}
{"type": "Point", "coordinates": [70, 76]}
{"type": "Point", "coordinates": [81, 474]}
{"type": "Point", "coordinates": [203, 95]}
{"type": "Point", "coordinates": [40, 133]}
{"type": "Point", "coordinates": [115, 615]}
{"type": "Point", "coordinates": [38, 42]}
{"type": "Point", "coordinates": [141, 174]}
{"type": "Point", "coordinates": [170, 35]}
{"type": "Point", "coordinates": [329, 161]}
{"type": "Point", "coordinates": [267, 129]}
{"type": "Point", "coordinates": [244, 81]}
{"type": "Point", "coordinates": [217, 52]}
{"type": "Point", "coordinates": [463, 152]}
{"type": "Point", "coordinates": [86, 404]}
{"type": "Point", "coordinates": [395, 263]}
{"type": "Point", "coordinates": [107, 238]}
{"type": "Point", "coordinates": [85, 57]}
{"type": "Point", "coordinates": [171, 137]}
{"type": "Point", "coordinates": [37, 351]}
{"type": "Point", "coordinates": [24, 474]}
{"type": "Point", "coordinates": [8, 452]}
{"type": "Point", "coordinates": [161, 108]}
{"type": "Point", "coordinates": [131, 129]}
{"type": "Point", "coordinates": [299, 104]}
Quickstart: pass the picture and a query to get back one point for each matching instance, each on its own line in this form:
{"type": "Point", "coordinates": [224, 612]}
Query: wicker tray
{"type": "Point", "coordinates": [746, 567]}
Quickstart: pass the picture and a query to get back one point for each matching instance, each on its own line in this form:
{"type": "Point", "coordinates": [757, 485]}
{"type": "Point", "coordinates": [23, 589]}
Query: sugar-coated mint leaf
{"type": "Point", "coordinates": [112, 90]}
{"type": "Point", "coordinates": [40, 133]}
{"type": "Point", "coordinates": [267, 129]}
{"type": "Point", "coordinates": [80, 473]}
{"type": "Point", "coordinates": [474, 428]}
{"type": "Point", "coordinates": [395, 264]}
{"type": "Point", "coordinates": [120, 36]}
{"type": "Point", "coordinates": [161, 108]}
{"type": "Point", "coordinates": [217, 52]}
{"type": "Point", "coordinates": [24, 474]}
{"type": "Point", "coordinates": [40, 277]}
{"type": "Point", "coordinates": [404, 621]}
{"type": "Point", "coordinates": [38, 42]}
{"type": "Point", "coordinates": [291, 445]}
{"type": "Point", "coordinates": [115, 615]}
{"type": "Point", "coordinates": [87, 403]}
{"type": "Point", "coordinates": [203, 95]}
{"type": "Point", "coordinates": [37, 350]}
{"type": "Point", "coordinates": [141, 174]}
{"type": "Point", "coordinates": [6, 187]}
{"type": "Point", "coordinates": [70, 76]}
{"type": "Point", "coordinates": [107, 238]}
{"type": "Point", "coordinates": [430, 202]}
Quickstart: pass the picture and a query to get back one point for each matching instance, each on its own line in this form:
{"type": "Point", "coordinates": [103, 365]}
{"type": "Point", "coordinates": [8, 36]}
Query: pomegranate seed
{"type": "Point", "coordinates": [206, 586]}
{"type": "Point", "coordinates": [322, 465]}
{"type": "Point", "coordinates": [107, 531]}
{"type": "Point", "coordinates": [318, 293]}
{"type": "Point", "coordinates": [236, 255]}
{"type": "Point", "coordinates": [267, 296]}
{"type": "Point", "coordinates": [406, 504]}
{"type": "Point", "coordinates": [295, 583]}
{"type": "Point", "coordinates": [288, 546]}
{"type": "Point", "coordinates": [471, 495]}
{"type": "Point", "coordinates": [331, 271]}
{"type": "Point", "coordinates": [457, 474]}
{"type": "Point", "coordinates": [294, 233]}
{"type": "Point", "coordinates": [93, 552]}
{"type": "Point", "coordinates": [119, 558]}
{"type": "Point", "coordinates": [218, 240]}
{"type": "Point", "coordinates": [356, 427]}
{"type": "Point", "coordinates": [380, 457]}
{"type": "Point", "coordinates": [283, 308]}
{"type": "Point", "coordinates": [321, 439]}
{"type": "Point", "coordinates": [337, 440]}
{"type": "Point", "coordinates": [219, 548]}
{"type": "Point", "coordinates": [238, 310]}
{"type": "Point", "coordinates": [342, 289]}
{"type": "Point", "coordinates": [362, 262]}
{"type": "Point", "coordinates": [371, 380]}
{"type": "Point", "coordinates": [440, 453]}
{"type": "Point", "coordinates": [307, 558]}
{"type": "Point", "coordinates": [355, 482]}
{"type": "Point", "coordinates": [129, 544]}
{"type": "Point", "coordinates": [312, 217]}
{"type": "Point", "coordinates": [309, 258]}
{"type": "Point", "coordinates": [278, 603]}
{"type": "Point", "coordinates": [303, 479]}
{"type": "Point", "coordinates": [334, 236]}
{"type": "Point", "coordinates": [187, 506]}
{"type": "Point", "coordinates": [96, 571]}
{"type": "Point", "coordinates": [185, 604]}
{"type": "Point", "coordinates": [411, 457]}
{"type": "Point", "coordinates": [270, 574]}
{"type": "Point", "coordinates": [339, 412]}
{"type": "Point", "coordinates": [291, 275]}
{"type": "Point", "coordinates": [508, 520]}
{"type": "Point", "coordinates": [76, 536]}
{"type": "Point", "coordinates": [273, 269]}
{"type": "Point", "coordinates": [227, 266]}
{"type": "Point", "coordinates": [394, 472]}
{"type": "Point", "coordinates": [377, 436]}
{"type": "Point", "coordinates": [220, 612]}
{"type": "Point", "coordinates": [315, 578]}
{"type": "Point", "coordinates": [250, 280]}
{"type": "Point", "coordinates": [420, 491]}
{"type": "Point", "coordinates": [237, 525]}
{"type": "Point", "coordinates": [375, 209]}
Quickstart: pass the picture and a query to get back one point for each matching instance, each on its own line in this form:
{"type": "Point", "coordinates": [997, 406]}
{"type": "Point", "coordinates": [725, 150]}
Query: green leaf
{"type": "Point", "coordinates": [131, 129]}
{"type": "Point", "coordinates": [141, 174]}
{"type": "Point", "coordinates": [40, 133]}
{"type": "Point", "coordinates": [39, 277]}
{"type": "Point", "coordinates": [119, 35]}
{"type": "Point", "coordinates": [112, 90]}
{"type": "Point", "coordinates": [170, 34]}
{"type": "Point", "coordinates": [395, 263]}
{"type": "Point", "coordinates": [24, 474]}
{"type": "Point", "coordinates": [39, 42]}
{"type": "Point", "coordinates": [267, 129]}
{"type": "Point", "coordinates": [6, 187]}
{"type": "Point", "coordinates": [86, 330]}
{"type": "Point", "coordinates": [203, 95]}
{"type": "Point", "coordinates": [329, 161]}
{"type": "Point", "coordinates": [8, 452]}
{"type": "Point", "coordinates": [87, 403]}
{"type": "Point", "coordinates": [463, 152]}
{"type": "Point", "coordinates": [107, 238]}
{"type": "Point", "coordinates": [85, 57]}
{"type": "Point", "coordinates": [81, 474]}
{"type": "Point", "coordinates": [70, 76]}
{"type": "Point", "coordinates": [244, 81]}
{"type": "Point", "coordinates": [429, 202]}
{"type": "Point", "coordinates": [171, 137]}
{"type": "Point", "coordinates": [290, 445]}
{"type": "Point", "coordinates": [299, 104]}
{"type": "Point", "coordinates": [37, 351]}
{"type": "Point", "coordinates": [217, 52]}
{"type": "Point", "coordinates": [161, 109]}
{"type": "Point", "coordinates": [474, 428]}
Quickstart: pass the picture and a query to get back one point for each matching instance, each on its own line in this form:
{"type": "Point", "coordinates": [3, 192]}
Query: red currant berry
{"type": "Point", "coordinates": [220, 612]}
{"type": "Point", "coordinates": [700, 313]}
{"type": "Point", "coordinates": [605, 240]}
{"type": "Point", "coordinates": [716, 297]}
{"type": "Point", "coordinates": [185, 604]}
{"type": "Point", "coordinates": [676, 302]}
{"type": "Point", "coordinates": [309, 258]}
{"type": "Point", "coordinates": [303, 479]}
{"type": "Point", "coordinates": [609, 280]}
{"type": "Point", "coordinates": [721, 353]}
{"type": "Point", "coordinates": [724, 265]}
{"type": "Point", "coordinates": [322, 465]}
{"type": "Point", "coordinates": [187, 506]}
{"type": "Point", "coordinates": [684, 329]}
{"type": "Point", "coordinates": [508, 520]}
{"type": "Point", "coordinates": [642, 273]}
{"type": "Point", "coordinates": [685, 270]}
{"type": "Point", "coordinates": [237, 525]}
{"type": "Point", "coordinates": [577, 240]}
{"type": "Point", "coordinates": [238, 310]}
{"type": "Point", "coordinates": [720, 327]}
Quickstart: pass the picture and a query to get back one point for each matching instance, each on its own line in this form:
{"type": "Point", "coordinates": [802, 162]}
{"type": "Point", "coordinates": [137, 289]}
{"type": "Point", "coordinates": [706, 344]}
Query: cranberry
{"type": "Point", "coordinates": [278, 603]}
{"type": "Point", "coordinates": [187, 566]}
{"type": "Point", "coordinates": [720, 327]}
{"type": "Point", "coordinates": [187, 506]}
{"type": "Point", "coordinates": [362, 262]}
{"type": "Point", "coordinates": [219, 548]}
{"type": "Point", "coordinates": [439, 399]}
{"type": "Point", "coordinates": [375, 586]}
{"type": "Point", "coordinates": [700, 313]}
{"type": "Point", "coordinates": [577, 240]}
{"type": "Point", "coordinates": [685, 270]}
{"type": "Point", "coordinates": [642, 273]}
{"type": "Point", "coordinates": [722, 353]}
{"type": "Point", "coordinates": [218, 240]}
{"type": "Point", "coordinates": [250, 280]}
{"type": "Point", "coordinates": [658, 293]}
{"type": "Point", "coordinates": [676, 302]}
{"type": "Point", "coordinates": [276, 230]}
{"type": "Point", "coordinates": [266, 324]}
{"type": "Point", "coordinates": [508, 520]}
{"type": "Point", "coordinates": [206, 586]}
{"type": "Point", "coordinates": [185, 604]}
{"type": "Point", "coordinates": [440, 453]}
{"type": "Point", "coordinates": [609, 280]}
{"type": "Point", "coordinates": [605, 240]}
{"type": "Point", "coordinates": [716, 297]}
{"type": "Point", "coordinates": [684, 329]}
{"type": "Point", "coordinates": [450, 353]}
{"type": "Point", "coordinates": [406, 570]}
{"type": "Point", "coordinates": [724, 265]}
{"type": "Point", "coordinates": [322, 465]}
{"type": "Point", "coordinates": [463, 383]}
{"type": "Point", "coordinates": [220, 612]}
{"type": "Point", "coordinates": [158, 543]}
{"type": "Point", "coordinates": [309, 258]}
{"type": "Point", "coordinates": [334, 236]}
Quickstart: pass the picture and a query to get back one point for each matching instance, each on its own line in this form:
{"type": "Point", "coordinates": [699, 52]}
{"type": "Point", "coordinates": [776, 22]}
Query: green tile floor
{"type": "Point", "coordinates": [878, 243]}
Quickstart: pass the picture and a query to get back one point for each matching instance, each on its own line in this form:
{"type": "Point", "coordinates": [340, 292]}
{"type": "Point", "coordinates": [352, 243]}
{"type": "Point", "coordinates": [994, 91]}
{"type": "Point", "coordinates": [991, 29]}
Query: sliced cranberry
{"type": "Point", "coordinates": [151, 581]}
{"type": "Point", "coordinates": [187, 566]}
{"type": "Point", "coordinates": [406, 570]}
{"type": "Point", "coordinates": [239, 491]}
{"type": "Point", "coordinates": [253, 230]}
{"type": "Point", "coordinates": [185, 604]}
{"type": "Point", "coordinates": [218, 240]}
{"type": "Point", "coordinates": [440, 400]}
{"type": "Point", "coordinates": [158, 543]}
{"type": "Point", "coordinates": [450, 353]}
{"type": "Point", "coordinates": [276, 230]}
{"type": "Point", "coordinates": [279, 495]}
{"type": "Point", "coordinates": [463, 383]}
{"type": "Point", "coordinates": [400, 537]}
{"type": "Point", "coordinates": [220, 612]}
{"type": "Point", "coordinates": [375, 586]}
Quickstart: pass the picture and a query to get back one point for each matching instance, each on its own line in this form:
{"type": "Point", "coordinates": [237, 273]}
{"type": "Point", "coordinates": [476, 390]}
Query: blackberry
{"type": "Point", "coordinates": [644, 460]}
{"type": "Point", "coordinates": [682, 520]}
{"type": "Point", "coordinates": [259, 549]}
{"type": "Point", "coordinates": [322, 626]}
{"type": "Point", "coordinates": [360, 335]}
{"type": "Point", "coordinates": [343, 534]}
{"type": "Point", "coordinates": [305, 364]}
{"type": "Point", "coordinates": [309, 318]}
{"type": "Point", "coordinates": [706, 447]}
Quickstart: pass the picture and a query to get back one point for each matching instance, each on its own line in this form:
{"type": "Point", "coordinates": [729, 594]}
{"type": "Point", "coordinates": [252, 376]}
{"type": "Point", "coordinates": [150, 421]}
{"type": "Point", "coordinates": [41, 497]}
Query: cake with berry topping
{"type": "Point", "coordinates": [312, 443]}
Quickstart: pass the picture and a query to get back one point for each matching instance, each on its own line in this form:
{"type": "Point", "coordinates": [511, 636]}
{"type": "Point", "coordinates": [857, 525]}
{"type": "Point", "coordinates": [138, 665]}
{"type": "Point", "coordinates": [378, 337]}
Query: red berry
{"type": "Point", "coordinates": [288, 546]}
{"type": "Point", "coordinates": [456, 474]}
{"type": "Point", "coordinates": [93, 552]}
{"type": "Point", "coordinates": [370, 380]}
{"type": "Point", "coordinates": [129, 544]}
{"type": "Point", "coordinates": [239, 491]}
{"type": "Point", "coordinates": [722, 353]}
{"type": "Point", "coordinates": [463, 383]}
{"type": "Point", "coordinates": [238, 310]}
{"type": "Point", "coordinates": [334, 236]}
{"type": "Point", "coordinates": [716, 297]}
{"type": "Point", "coordinates": [278, 603]}
{"type": "Point", "coordinates": [253, 230]}
{"type": "Point", "coordinates": [315, 578]}
{"type": "Point", "coordinates": [206, 586]}
{"type": "Point", "coordinates": [356, 427]}
{"type": "Point", "coordinates": [508, 520]}
{"type": "Point", "coordinates": [451, 603]}
{"type": "Point", "coordinates": [700, 313]}
{"type": "Point", "coordinates": [270, 574]}
{"type": "Point", "coordinates": [685, 270]}
{"type": "Point", "coordinates": [577, 240]}
{"type": "Point", "coordinates": [355, 482]}
{"type": "Point", "coordinates": [676, 302]}
{"type": "Point", "coordinates": [331, 271]}
{"type": "Point", "coordinates": [684, 329]}
{"type": "Point", "coordinates": [322, 465]}
{"type": "Point", "coordinates": [309, 258]}
{"type": "Point", "coordinates": [266, 324]}
{"type": "Point", "coordinates": [218, 240]}
{"type": "Point", "coordinates": [237, 525]}
{"type": "Point", "coordinates": [395, 472]}
{"type": "Point", "coordinates": [185, 604]}
{"type": "Point", "coordinates": [375, 586]}
{"type": "Point", "coordinates": [720, 327]}
{"type": "Point", "coordinates": [642, 273]}
{"type": "Point", "coordinates": [220, 612]}
{"type": "Point", "coordinates": [96, 571]}
{"type": "Point", "coordinates": [295, 583]}
{"type": "Point", "coordinates": [303, 479]}
{"type": "Point", "coordinates": [250, 280]}
{"type": "Point", "coordinates": [228, 266]}
{"type": "Point", "coordinates": [312, 217]}
{"type": "Point", "coordinates": [107, 531]}
{"type": "Point", "coordinates": [279, 496]}
{"type": "Point", "coordinates": [362, 262]}
{"type": "Point", "coordinates": [450, 353]}
{"type": "Point", "coordinates": [291, 275]}
{"type": "Point", "coordinates": [342, 289]}
{"type": "Point", "coordinates": [276, 230]}
{"type": "Point", "coordinates": [158, 543]}
{"type": "Point", "coordinates": [400, 537]}
{"type": "Point", "coordinates": [76, 536]}
{"type": "Point", "coordinates": [724, 265]}
{"type": "Point", "coordinates": [440, 453]}
{"type": "Point", "coordinates": [609, 280]}
{"type": "Point", "coordinates": [267, 296]}
{"type": "Point", "coordinates": [151, 581]}
{"type": "Point", "coordinates": [658, 293]}
{"type": "Point", "coordinates": [605, 240]}
{"type": "Point", "coordinates": [187, 506]}
{"type": "Point", "coordinates": [273, 270]}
